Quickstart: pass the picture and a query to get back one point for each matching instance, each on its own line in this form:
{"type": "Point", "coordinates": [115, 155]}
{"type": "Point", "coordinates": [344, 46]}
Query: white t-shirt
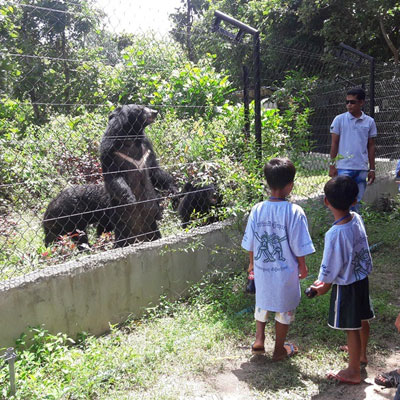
{"type": "Point", "coordinates": [277, 233]}
{"type": "Point", "coordinates": [354, 134]}
{"type": "Point", "coordinates": [346, 258]}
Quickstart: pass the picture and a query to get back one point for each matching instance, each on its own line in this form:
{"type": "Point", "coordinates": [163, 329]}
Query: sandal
{"type": "Point", "coordinates": [388, 379]}
{"type": "Point", "coordinates": [257, 350]}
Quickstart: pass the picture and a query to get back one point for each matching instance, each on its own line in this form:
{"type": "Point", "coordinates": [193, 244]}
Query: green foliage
{"type": "Point", "coordinates": [293, 102]}
{"type": "Point", "coordinates": [49, 43]}
{"type": "Point", "coordinates": [63, 150]}
{"type": "Point", "coordinates": [300, 35]}
{"type": "Point", "coordinates": [15, 118]}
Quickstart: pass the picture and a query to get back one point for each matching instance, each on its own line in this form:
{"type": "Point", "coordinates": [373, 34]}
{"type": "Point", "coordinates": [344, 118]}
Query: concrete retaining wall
{"type": "Point", "coordinates": [88, 294]}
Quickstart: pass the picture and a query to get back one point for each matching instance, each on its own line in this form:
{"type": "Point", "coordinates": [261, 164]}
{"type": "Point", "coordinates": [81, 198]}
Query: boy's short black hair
{"type": "Point", "coordinates": [341, 192]}
{"type": "Point", "coordinates": [358, 92]}
{"type": "Point", "coordinates": [279, 172]}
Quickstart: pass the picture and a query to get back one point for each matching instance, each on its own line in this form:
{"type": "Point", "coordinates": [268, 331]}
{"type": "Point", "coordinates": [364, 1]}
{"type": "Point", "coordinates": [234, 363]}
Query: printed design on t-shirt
{"type": "Point", "coordinates": [361, 264]}
{"type": "Point", "coordinates": [270, 245]}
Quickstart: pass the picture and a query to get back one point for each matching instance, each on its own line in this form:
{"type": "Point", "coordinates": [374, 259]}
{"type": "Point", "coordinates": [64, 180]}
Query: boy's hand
{"type": "Point", "coordinates": [397, 323]}
{"type": "Point", "coordinates": [251, 267]}
{"type": "Point", "coordinates": [321, 287]}
{"type": "Point", "coordinates": [303, 271]}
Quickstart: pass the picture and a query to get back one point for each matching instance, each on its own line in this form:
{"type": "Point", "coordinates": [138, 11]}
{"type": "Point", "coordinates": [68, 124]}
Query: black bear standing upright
{"type": "Point", "coordinates": [198, 199]}
{"type": "Point", "coordinates": [73, 209]}
{"type": "Point", "coordinates": [131, 174]}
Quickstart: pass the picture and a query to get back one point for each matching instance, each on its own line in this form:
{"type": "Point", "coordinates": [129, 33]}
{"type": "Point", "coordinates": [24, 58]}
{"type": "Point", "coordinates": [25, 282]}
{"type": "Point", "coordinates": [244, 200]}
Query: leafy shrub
{"type": "Point", "coordinates": [65, 150]}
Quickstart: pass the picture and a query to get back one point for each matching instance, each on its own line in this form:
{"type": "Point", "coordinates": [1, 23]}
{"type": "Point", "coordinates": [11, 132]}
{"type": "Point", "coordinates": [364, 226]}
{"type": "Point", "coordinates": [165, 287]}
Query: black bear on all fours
{"type": "Point", "coordinates": [200, 200]}
{"type": "Point", "coordinates": [73, 210]}
{"type": "Point", "coordinates": [131, 174]}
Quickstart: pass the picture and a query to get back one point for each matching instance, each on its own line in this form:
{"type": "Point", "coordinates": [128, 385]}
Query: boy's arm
{"type": "Point", "coordinates": [251, 261]}
{"type": "Point", "coordinates": [321, 287]}
{"type": "Point", "coordinates": [397, 323]}
{"type": "Point", "coordinates": [303, 271]}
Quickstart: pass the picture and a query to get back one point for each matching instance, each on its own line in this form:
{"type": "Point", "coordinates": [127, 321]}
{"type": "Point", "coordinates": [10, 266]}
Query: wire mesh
{"type": "Point", "coordinates": [111, 138]}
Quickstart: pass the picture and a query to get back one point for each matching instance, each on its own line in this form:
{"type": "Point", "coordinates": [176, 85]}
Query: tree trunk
{"type": "Point", "coordinates": [390, 44]}
{"type": "Point", "coordinates": [66, 69]}
{"type": "Point", "coordinates": [189, 31]}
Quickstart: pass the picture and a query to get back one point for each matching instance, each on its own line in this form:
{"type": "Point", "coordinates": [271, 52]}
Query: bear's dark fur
{"type": "Point", "coordinates": [131, 174]}
{"type": "Point", "coordinates": [73, 210]}
{"type": "Point", "coordinates": [198, 199]}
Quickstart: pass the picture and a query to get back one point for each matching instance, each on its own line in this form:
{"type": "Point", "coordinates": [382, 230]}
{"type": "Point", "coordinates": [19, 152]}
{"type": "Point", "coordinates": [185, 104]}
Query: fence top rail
{"type": "Point", "coordinates": [235, 22]}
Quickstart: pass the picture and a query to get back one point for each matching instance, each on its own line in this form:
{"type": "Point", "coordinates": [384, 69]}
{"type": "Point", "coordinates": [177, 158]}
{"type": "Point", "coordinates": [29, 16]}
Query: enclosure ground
{"type": "Point", "coordinates": [246, 377]}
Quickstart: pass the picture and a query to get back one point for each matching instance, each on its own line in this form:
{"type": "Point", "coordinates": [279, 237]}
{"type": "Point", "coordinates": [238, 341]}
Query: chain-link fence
{"type": "Point", "coordinates": [109, 139]}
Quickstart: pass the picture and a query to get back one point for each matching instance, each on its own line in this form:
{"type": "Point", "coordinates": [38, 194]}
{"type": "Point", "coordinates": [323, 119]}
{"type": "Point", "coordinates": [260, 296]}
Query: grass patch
{"type": "Point", "coordinates": [178, 347]}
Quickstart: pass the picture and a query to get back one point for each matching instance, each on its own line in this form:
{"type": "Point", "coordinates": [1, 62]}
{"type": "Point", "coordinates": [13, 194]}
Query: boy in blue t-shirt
{"type": "Point", "coordinates": [278, 240]}
{"type": "Point", "coordinates": [345, 266]}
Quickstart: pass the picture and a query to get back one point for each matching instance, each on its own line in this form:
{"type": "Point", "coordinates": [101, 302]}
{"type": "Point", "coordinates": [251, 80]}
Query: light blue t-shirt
{"type": "Point", "coordinates": [277, 233]}
{"type": "Point", "coordinates": [346, 258]}
{"type": "Point", "coordinates": [354, 134]}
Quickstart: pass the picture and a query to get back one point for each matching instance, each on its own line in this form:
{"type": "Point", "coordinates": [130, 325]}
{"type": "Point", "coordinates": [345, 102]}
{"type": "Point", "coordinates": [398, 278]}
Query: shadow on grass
{"type": "Point", "coordinates": [262, 374]}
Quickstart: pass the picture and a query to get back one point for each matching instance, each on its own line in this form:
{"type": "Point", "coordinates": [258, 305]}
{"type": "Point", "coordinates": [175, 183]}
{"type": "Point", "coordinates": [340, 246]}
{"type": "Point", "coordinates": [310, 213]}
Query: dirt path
{"type": "Point", "coordinates": [235, 382]}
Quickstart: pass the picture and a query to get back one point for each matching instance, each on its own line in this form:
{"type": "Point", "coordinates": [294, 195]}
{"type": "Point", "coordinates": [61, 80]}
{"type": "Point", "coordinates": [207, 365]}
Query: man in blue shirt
{"type": "Point", "coordinates": [353, 140]}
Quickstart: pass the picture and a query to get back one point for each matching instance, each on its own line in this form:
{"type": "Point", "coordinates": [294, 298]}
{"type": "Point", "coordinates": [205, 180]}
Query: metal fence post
{"type": "Point", "coordinates": [257, 94]}
{"type": "Point", "coordinates": [371, 75]}
{"type": "Point", "coordinates": [243, 29]}
{"type": "Point", "coordinates": [10, 356]}
{"type": "Point", "coordinates": [246, 101]}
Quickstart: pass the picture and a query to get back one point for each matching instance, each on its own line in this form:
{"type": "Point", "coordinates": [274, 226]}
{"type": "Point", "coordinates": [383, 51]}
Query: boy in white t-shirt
{"type": "Point", "coordinates": [345, 266]}
{"type": "Point", "coordinates": [278, 240]}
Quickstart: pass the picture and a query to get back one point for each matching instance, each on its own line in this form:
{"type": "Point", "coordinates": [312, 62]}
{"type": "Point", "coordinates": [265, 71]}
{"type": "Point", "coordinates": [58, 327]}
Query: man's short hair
{"type": "Point", "coordinates": [279, 172]}
{"type": "Point", "coordinates": [341, 192]}
{"type": "Point", "coordinates": [358, 92]}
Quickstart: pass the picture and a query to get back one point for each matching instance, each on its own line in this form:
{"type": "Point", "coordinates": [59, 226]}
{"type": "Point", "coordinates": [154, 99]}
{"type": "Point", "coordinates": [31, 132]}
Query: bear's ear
{"type": "Point", "coordinates": [115, 113]}
{"type": "Point", "coordinates": [188, 187]}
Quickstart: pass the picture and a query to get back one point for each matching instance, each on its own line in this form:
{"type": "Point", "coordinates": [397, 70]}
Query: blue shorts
{"type": "Point", "coordinates": [360, 176]}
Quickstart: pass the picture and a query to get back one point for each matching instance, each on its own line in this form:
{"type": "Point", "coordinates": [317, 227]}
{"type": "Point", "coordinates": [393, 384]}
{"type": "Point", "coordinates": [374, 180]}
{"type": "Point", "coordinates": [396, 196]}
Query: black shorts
{"type": "Point", "coordinates": [350, 304]}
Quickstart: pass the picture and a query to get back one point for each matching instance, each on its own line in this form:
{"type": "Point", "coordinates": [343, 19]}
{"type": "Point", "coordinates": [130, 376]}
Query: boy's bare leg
{"type": "Point", "coordinates": [364, 336]}
{"type": "Point", "coordinates": [280, 352]}
{"type": "Point", "coordinates": [352, 372]}
{"type": "Point", "coordinates": [260, 335]}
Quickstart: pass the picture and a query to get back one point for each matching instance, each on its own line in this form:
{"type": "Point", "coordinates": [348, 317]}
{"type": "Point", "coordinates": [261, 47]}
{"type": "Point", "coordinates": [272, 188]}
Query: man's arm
{"type": "Point", "coordinates": [371, 159]}
{"type": "Point", "coordinates": [333, 154]}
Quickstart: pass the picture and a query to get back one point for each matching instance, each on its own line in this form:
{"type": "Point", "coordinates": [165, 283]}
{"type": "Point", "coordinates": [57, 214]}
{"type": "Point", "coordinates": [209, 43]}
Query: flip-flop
{"type": "Point", "coordinates": [257, 350]}
{"type": "Point", "coordinates": [331, 376]}
{"type": "Point", "coordinates": [293, 349]}
{"type": "Point", "coordinates": [391, 379]}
